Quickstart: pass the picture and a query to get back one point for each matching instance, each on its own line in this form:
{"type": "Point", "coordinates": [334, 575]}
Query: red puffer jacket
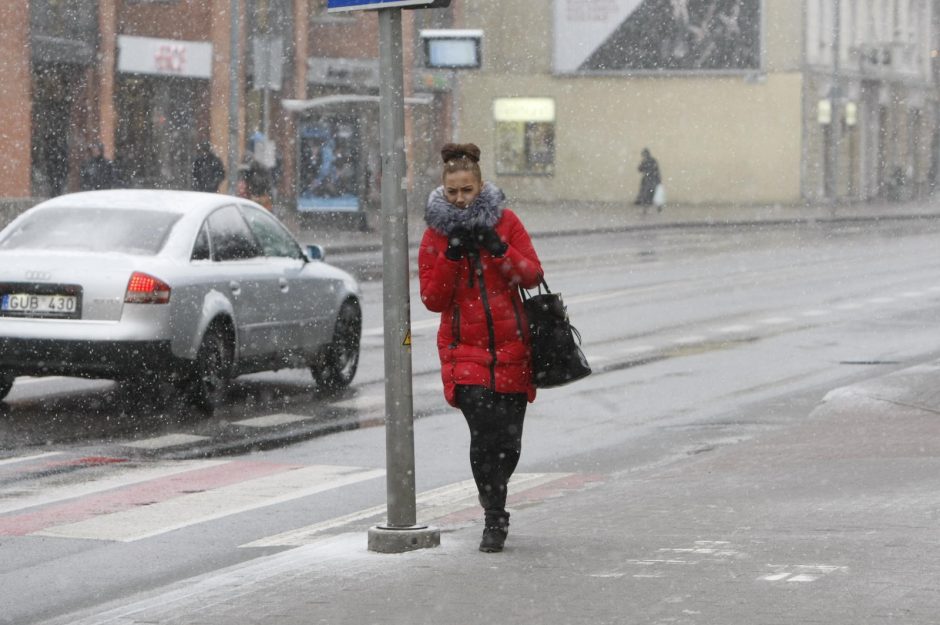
{"type": "Point", "coordinates": [483, 339]}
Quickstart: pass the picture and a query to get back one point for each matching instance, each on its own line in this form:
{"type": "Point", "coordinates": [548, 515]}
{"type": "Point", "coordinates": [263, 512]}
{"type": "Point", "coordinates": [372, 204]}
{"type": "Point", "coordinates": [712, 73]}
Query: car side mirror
{"type": "Point", "coordinates": [316, 252]}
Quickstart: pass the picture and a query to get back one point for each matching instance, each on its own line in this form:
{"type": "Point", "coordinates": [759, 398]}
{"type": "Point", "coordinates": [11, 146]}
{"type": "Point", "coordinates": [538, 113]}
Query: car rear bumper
{"type": "Point", "coordinates": [98, 359]}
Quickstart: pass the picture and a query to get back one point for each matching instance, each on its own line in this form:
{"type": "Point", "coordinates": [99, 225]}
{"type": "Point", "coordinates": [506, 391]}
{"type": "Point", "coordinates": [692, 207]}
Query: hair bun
{"type": "Point", "coordinates": [453, 151]}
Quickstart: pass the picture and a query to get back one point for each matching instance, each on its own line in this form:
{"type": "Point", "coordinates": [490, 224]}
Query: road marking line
{"type": "Point", "coordinates": [169, 440]}
{"type": "Point", "coordinates": [281, 418]}
{"type": "Point", "coordinates": [880, 300]}
{"type": "Point", "coordinates": [54, 494]}
{"type": "Point", "coordinates": [16, 459]}
{"type": "Point", "coordinates": [913, 294]}
{"type": "Point", "coordinates": [34, 380]}
{"type": "Point", "coordinates": [733, 329]}
{"type": "Point", "coordinates": [776, 577]}
{"type": "Point", "coordinates": [145, 494]}
{"type": "Point", "coordinates": [179, 512]}
{"type": "Point", "coordinates": [633, 290]}
{"type": "Point", "coordinates": [815, 313]}
{"type": "Point", "coordinates": [638, 349]}
{"type": "Point", "coordinates": [801, 572]}
{"type": "Point", "coordinates": [431, 505]}
{"type": "Point", "coordinates": [848, 306]}
{"type": "Point", "coordinates": [773, 321]}
{"type": "Point", "coordinates": [803, 577]}
{"type": "Point", "coordinates": [689, 340]}
{"type": "Point", "coordinates": [365, 402]}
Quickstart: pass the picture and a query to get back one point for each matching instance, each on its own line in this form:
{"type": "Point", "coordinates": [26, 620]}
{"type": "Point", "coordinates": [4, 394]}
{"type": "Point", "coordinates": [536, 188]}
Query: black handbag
{"type": "Point", "coordinates": [556, 358]}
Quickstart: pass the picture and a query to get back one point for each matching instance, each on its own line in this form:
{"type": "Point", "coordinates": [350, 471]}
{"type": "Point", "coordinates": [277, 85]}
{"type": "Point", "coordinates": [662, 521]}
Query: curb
{"type": "Point", "coordinates": [367, 247]}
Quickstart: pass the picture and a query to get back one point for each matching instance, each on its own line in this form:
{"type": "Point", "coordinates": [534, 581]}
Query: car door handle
{"type": "Point", "coordinates": [235, 286]}
{"type": "Point", "coordinates": [282, 282]}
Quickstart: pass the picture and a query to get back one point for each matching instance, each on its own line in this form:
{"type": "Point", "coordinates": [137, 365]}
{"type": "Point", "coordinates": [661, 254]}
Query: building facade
{"type": "Point", "coordinates": [150, 79]}
{"type": "Point", "coordinates": [144, 79]}
{"type": "Point", "coordinates": [739, 100]}
{"type": "Point", "coordinates": [725, 93]}
{"type": "Point", "coordinates": [875, 104]}
{"type": "Point", "coordinates": [722, 115]}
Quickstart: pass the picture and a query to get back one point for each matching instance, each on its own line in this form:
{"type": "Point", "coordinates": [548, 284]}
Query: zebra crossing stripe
{"type": "Point", "coordinates": [160, 517]}
{"type": "Point", "coordinates": [434, 505]}
{"type": "Point", "coordinates": [18, 459]}
{"type": "Point", "coordinates": [281, 418]}
{"type": "Point", "coordinates": [169, 440]}
{"type": "Point", "coordinates": [125, 477]}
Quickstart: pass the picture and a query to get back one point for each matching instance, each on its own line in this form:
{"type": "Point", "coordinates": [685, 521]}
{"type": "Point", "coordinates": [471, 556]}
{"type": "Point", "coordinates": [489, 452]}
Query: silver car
{"type": "Point", "coordinates": [193, 288]}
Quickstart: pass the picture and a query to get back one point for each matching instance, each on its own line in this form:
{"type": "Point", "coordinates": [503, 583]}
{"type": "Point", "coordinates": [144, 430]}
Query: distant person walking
{"type": "Point", "coordinates": [97, 172]}
{"type": "Point", "coordinates": [651, 178]}
{"type": "Point", "coordinates": [258, 181]}
{"type": "Point", "coordinates": [474, 256]}
{"type": "Point", "coordinates": [208, 171]}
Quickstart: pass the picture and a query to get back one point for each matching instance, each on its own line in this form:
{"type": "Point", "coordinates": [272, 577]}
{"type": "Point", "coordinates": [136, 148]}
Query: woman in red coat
{"type": "Point", "coordinates": [474, 256]}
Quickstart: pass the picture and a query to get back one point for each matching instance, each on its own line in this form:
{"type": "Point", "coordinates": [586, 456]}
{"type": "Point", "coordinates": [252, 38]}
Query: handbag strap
{"type": "Point", "coordinates": [542, 282]}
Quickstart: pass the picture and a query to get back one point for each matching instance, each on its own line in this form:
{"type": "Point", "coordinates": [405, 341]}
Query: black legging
{"type": "Point", "coordinates": [495, 421]}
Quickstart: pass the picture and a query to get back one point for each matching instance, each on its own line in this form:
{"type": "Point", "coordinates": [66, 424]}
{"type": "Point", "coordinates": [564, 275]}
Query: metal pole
{"type": "Point", "coordinates": [454, 103]}
{"type": "Point", "coordinates": [835, 101]}
{"type": "Point", "coordinates": [233, 76]}
{"type": "Point", "coordinates": [400, 533]}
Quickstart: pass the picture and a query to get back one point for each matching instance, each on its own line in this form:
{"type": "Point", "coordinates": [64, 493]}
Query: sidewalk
{"type": "Point", "coordinates": [339, 234]}
{"type": "Point", "coordinates": [830, 519]}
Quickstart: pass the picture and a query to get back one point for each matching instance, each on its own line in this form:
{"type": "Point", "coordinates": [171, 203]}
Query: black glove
{"type": "Point", "coordinates": [489, 240]}
{"type": "Point", "coordinates": [458, 242]}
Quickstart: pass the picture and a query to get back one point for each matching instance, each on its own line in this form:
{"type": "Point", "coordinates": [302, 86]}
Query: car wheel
{"type": "Point", "coordinates": [212, 371]}
{"type": "Point", "coordinates": [336, 366]}
{"type": "Point", "coordinates": [6, 383]}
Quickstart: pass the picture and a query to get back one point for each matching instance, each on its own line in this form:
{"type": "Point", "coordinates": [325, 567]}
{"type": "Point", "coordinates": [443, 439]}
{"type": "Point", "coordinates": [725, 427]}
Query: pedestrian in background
{"type": "Point", "coordinates": [208, 171]}
{"type": "Point", "coordinates": [650, 179]}
{"type": "Point", "coordinates": [97, 172]}
{"type": "Point", "coordinates": [258, 179]}
{"type": "Point", "coordinates": [474, 256]}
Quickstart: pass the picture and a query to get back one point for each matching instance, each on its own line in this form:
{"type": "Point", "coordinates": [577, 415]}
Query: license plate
{"type": "Point", "coordinates": [36, 304]}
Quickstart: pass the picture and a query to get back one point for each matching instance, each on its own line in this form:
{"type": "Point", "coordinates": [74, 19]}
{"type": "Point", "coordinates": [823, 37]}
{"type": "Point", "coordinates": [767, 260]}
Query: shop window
{"type": "Point", "coordinates": [330, 168]}
{"type": "Point", "coordinates": [525, 136]}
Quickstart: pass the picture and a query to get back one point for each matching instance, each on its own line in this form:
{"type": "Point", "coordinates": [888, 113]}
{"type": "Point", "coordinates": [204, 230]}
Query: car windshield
{"type": "Point", "coordinates": [97, 230]}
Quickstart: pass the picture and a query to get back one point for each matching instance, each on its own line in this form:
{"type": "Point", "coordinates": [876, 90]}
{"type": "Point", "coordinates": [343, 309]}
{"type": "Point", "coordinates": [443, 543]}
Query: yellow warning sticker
{"type": "Point", "coordinates": [407, 340]}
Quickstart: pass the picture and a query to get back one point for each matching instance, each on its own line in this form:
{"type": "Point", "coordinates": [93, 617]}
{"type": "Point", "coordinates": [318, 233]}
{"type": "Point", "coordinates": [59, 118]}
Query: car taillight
{"type": "Point", "coordinates": [145, 289]}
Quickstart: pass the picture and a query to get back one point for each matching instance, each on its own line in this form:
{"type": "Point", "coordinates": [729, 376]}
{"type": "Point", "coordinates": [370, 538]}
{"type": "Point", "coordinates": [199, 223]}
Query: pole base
{"type": "Point", "coordinates": [401, 539]}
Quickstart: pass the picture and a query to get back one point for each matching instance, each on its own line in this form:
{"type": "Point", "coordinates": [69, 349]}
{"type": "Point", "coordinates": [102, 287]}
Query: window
{"type": "Point", "coordinates": [525, 136]}
{"type": "Point", "coordinates": [201, 246]}
{"type": "Point", "coordinates": [140, 232]}
{"type": "Point", "coordinates": [273, 238]}
{"type": "Point", "coordinates": [231, 238]}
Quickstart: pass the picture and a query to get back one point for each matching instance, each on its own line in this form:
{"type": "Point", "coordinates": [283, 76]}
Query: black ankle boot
{"type": "Point", "coordinates": [494, 538]}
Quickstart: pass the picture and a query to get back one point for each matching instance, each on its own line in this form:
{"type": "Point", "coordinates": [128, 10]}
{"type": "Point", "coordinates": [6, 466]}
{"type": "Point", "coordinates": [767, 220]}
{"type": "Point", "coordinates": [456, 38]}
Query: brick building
{"type": "Point", "coordinates": [151, 78]}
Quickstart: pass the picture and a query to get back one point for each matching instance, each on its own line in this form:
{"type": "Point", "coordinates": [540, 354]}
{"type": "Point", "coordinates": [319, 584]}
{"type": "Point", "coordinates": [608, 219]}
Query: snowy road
{"type": "Point", "coordinates": [698, 339]}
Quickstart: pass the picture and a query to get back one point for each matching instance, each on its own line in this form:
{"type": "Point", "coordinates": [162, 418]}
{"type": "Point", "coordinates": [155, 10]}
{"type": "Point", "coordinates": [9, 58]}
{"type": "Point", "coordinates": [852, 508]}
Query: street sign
{"type": "Point", "coordinates": [452, 48]}
{"type": "Point", "coordinates": [335, 6]}
{"type": "Point", "coordinates": [267, 56]}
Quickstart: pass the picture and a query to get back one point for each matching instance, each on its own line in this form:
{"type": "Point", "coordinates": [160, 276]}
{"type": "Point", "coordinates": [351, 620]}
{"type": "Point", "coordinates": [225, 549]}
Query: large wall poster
{"type": "Point", "coordinates": [611, 36]}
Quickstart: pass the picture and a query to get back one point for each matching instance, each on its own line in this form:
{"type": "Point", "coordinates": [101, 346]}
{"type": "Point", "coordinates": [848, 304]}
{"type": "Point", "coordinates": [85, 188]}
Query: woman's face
{"type": "Point", "coordinates": [461, 188]}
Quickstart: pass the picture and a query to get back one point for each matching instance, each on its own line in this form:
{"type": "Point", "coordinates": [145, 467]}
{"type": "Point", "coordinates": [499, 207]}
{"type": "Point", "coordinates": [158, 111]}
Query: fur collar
{"type": "Point", "coordinates": [486, 210]}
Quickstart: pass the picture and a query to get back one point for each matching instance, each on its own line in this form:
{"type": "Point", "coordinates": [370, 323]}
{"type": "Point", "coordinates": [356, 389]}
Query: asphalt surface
{"type": "Point", "coordinates": [830, 519]}
{"type": "Point", "coordinates": [339, 234]}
